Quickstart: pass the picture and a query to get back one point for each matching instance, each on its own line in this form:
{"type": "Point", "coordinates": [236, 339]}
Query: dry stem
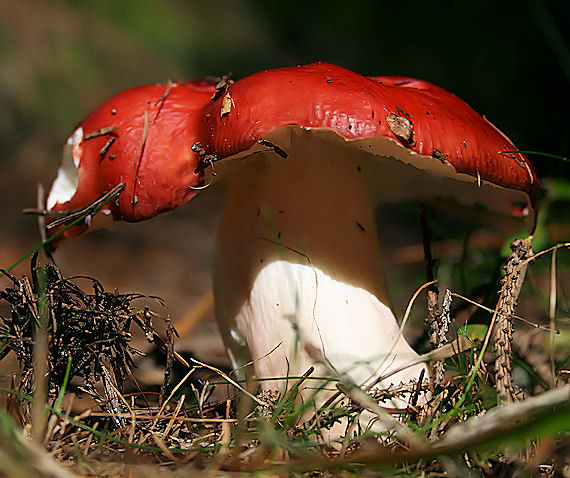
{"type": "Point", "coordinates": [433, 319]}
{"type": "Point", "coordinates": [515, 270]}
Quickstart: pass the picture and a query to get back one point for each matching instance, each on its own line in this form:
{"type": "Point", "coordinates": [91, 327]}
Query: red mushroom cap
{"type": "Point", "coordinates": [421, 117]}
{"type": "Point", "coordinates": [143, 137]}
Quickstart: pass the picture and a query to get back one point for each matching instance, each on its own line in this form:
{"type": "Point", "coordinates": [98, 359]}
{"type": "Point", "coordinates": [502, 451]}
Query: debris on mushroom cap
{"type": "Point", "coordinates": [142, 136]}
{"type": "Point", "coordinates": [421, 117]}
{"type": "Point", "coordinates": [402, 127]}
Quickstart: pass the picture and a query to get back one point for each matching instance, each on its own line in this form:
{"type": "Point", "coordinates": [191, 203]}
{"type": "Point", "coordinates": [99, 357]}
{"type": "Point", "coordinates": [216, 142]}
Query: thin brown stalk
{"type": "Point", "coordinates": [433, 318]}
{"type": "Point", "coordinates": [226, 435]}
{"type": "Point", "coordinates": [233, 382]}
{"type": "Point", "coordinates": [552, 315]}
{"type": "Point", "coordinates": [146, 417]}
{"type": "Point", "coordinates": [175, 415]}
{"type": "Point", "coordinates": [172, 394]}
{"type": "Point", "coordinates": [546, 251]}
{"type": "Point", "coordinates": [515, 270]}
{"type": "Point", "coordinates": [517, 317]}
{"type": "Point", "coordinates": [162, 445]}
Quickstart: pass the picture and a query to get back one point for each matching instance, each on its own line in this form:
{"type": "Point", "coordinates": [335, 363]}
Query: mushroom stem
{"type": "Point", "coordinates": [298, 269]}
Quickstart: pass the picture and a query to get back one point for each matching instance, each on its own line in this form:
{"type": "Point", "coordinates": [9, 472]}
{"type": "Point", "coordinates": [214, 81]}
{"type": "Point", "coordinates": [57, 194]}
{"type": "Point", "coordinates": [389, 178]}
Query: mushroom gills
{"type": "Point", "coordinates": [298, 275]}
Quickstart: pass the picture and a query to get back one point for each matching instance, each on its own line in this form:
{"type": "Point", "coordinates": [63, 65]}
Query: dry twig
{"type": "Point", "coordinates": [515, 270]}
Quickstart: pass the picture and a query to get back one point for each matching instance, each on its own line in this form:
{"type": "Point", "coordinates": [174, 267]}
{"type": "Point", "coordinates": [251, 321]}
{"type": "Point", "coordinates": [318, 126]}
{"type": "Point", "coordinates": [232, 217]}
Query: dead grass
{"type": "Point", "coordinates": [181, 429]}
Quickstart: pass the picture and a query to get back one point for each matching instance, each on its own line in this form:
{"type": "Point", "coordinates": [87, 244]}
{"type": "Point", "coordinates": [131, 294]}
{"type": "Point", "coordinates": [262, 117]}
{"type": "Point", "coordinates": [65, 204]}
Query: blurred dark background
{"type": "Point", "coordinates": [59, 59]}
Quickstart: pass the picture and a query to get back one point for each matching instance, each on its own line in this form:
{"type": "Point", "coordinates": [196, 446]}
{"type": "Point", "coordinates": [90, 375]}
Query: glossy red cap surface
{"type": "Point", "coordinates": [143, 137]}
{"type": "Point", "coordinates": [321, 95]}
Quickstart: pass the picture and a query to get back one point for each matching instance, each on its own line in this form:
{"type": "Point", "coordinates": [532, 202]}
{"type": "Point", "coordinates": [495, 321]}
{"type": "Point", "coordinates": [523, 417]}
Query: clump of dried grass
{"type": "Point", "coordinates": [89, 334]}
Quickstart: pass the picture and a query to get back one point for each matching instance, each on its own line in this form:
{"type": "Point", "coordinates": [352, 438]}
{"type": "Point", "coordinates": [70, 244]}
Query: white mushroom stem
{"type": "Point", "coordinates": [298, 269]}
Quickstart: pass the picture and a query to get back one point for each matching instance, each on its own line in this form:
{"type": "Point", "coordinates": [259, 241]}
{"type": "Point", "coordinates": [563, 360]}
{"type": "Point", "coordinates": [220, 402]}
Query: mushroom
{"type": "Point", "coordinates": [308, 153]}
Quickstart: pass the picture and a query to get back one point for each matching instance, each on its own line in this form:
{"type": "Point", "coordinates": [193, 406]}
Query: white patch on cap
{"type": "Point", "coordinates": [75, 141]}
{"type": "Point", "coordinates": [65, 185]}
